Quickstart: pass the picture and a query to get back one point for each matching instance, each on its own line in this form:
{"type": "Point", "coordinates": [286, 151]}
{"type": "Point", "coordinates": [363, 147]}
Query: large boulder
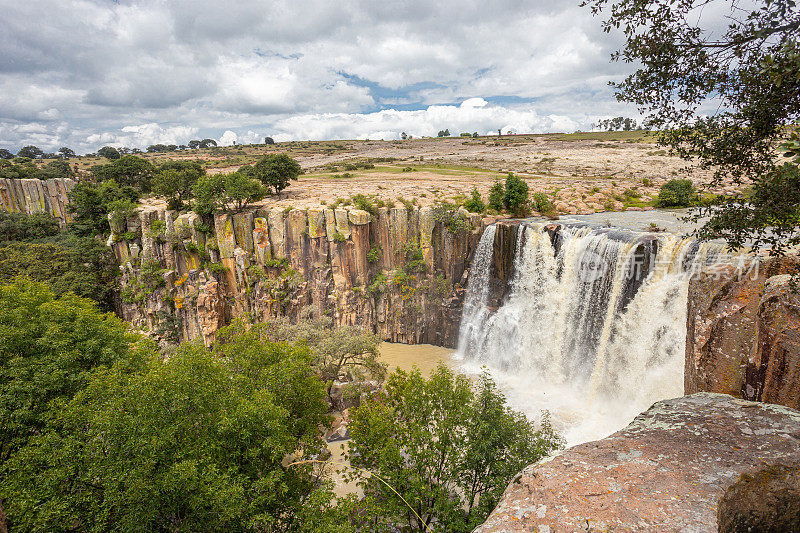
{"type": "Point", "coordinates": [743, 333]}
{"type": "Point", "coordinates": [767, 501]}
{"type": "Point", "coordinates": [666, 471]}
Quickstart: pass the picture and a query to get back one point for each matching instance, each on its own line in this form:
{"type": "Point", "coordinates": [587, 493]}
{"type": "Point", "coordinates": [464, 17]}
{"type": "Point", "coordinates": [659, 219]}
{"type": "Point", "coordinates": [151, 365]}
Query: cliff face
{"type": "Point", "coordinates": [36, 196]}
{"type": "Point", "coordinates": [400, 273]}
{"type": "Point", "coordinates": [743, 334]}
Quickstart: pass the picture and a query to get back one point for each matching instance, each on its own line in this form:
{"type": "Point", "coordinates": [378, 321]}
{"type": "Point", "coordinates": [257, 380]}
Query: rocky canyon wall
{"type": "Point", "coordinates": [743, 333]}
{"type": "Point", "coordinates": [400, 273]}
{"type": "Point", "coordinates": [36, 196]}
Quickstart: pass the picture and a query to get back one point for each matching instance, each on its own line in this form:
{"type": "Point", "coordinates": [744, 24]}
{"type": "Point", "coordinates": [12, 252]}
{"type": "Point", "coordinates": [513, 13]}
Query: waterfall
{"type": "Point", "coordinates": [592, 326]}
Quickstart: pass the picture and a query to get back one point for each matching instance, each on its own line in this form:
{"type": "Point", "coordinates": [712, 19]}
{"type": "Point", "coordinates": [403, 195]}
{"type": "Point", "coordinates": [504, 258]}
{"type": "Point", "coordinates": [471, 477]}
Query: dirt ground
{"type": "Point", "coordinates": [581, 173]}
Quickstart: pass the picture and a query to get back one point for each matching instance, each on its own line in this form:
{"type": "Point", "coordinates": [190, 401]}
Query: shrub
{"type": "Point", "coordinates": [496, 195]}
{"type": "Point", "coordinates": [515, 197]}
{"type": "Point", "coordinates": [677, 193]}
{"type": "Point", "coordinates": [477, 444]}
{"type": "Point", "coordinates": [448, 215]}
{"type": "Point", "coordinates": [375, 253]}
{"type": "Point", "coordinates": [542, 203]}
{"type": "Point", "coordinates": [474, 204]}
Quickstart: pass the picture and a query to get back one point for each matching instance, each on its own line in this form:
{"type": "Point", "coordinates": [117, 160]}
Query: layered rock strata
{"type": "Point", "coordinates": [666, 471]}
{"type": "Point", "coordinates": [37, 196]}
{"type": "Point", "coordinates": [743, 333]}
{"type": "Point", "coordinates": [400, 273]}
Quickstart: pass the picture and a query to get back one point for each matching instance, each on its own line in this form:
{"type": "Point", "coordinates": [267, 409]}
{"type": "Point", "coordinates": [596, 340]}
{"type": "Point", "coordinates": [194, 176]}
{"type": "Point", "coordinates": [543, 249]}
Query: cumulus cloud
{"type": "Point", "coordinates": [147, 71]}
{"type": "Point", "coordinates": [472, 115]}
{"type": "Point", "coordinates": [143, 135]}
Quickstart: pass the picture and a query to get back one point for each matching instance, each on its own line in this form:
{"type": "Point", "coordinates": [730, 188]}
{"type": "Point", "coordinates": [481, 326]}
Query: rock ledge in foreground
{"type": "Point", "coordinates": [666, 471]}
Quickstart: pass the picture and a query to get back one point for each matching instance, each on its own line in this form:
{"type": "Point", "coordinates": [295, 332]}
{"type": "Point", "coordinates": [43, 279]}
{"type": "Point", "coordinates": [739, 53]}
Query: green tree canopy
{"type": "Point", "coordinates": [450, 449]}
{"type": "Point", "coordinates": [747, 73]}
{"type": "Point", "coordinates": [109, 152]}
{"type": "Point", "coordinates": [218, 191]}
{"type": "Point", "coordinates": [31, 152]}
{"type": "Point", "coordinates": [515, 195]}
{"type": "Point", "coordinates": [197, 442]}
{"type": "Point", "coordinates": [6, 154]}
{"type": "Point", "coordinates": [66, 153]}
{"type": "Point", "coordinates": [90, 204]}
{"type": "Point", "coordinates": [128, 170]}
{"type": "Point", "coordinates": [677, 193]}
{"type": "Point", "coordinates": [276, 170]}
{"type": "Point", "coordinates": [24, 227]}
{"type": "Point", "coordinates": [49, 348]}
{"type": "Point", "coordinates": [176, 180]}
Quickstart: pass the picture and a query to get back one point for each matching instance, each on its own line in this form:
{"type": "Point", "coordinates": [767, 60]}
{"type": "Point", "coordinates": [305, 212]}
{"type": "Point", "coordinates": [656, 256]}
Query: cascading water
{"type": "Point", "coordinates": [593, 325]}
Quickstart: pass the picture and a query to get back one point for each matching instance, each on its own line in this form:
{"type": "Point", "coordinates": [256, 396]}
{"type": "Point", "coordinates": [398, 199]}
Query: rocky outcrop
{"type": "Point", "coordinates": [398, 272]}
{"type": "Point", "coordinates": [743, 333]}
{"type": "Point", "coordinates": [666, 471]}
{"type": "Point", "coordinates": [768, 500]}
{"type": "Point", "coordinates": [36, 196]}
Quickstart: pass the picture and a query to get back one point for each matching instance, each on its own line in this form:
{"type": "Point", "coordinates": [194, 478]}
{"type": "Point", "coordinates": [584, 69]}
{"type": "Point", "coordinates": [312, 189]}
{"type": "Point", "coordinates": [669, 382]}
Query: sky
{"type": "Point", "coordinates": [85, 74]}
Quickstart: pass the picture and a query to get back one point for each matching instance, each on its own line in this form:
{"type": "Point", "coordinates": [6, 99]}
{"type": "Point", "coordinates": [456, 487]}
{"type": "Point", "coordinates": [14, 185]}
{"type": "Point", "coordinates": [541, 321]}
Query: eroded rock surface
{"type": "Point", "coordinates": [666, 471]}
{"type": "Point", "coordinates": [743, 334]}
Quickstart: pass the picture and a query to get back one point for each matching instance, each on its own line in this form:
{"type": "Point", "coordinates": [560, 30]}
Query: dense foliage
{"type": "Point", "coordinates": [49, 347]}
{"type": "Point", "coordinates": [677, 193]}
{"type": "Point", "coordinates": [219, 191]}
{"type": "Point", "coordinates": [346, 352]}
{"type": "Point", "coordinates": [447, 447]}
{"type": "Point", "coordinates": [35, 247]}
{"type": "Point", "coordinates": [176, 180]}
{"type": "Point", "coordinates": [723, 98]}
{"type": "Point", "coordinates": [90, 204]}
{"type": "Point", "coordinates": [127, 171]}
{"type": "Point", "coordinates": [100, 434]}
{"type": "Point", "coordinates": [27, 169]}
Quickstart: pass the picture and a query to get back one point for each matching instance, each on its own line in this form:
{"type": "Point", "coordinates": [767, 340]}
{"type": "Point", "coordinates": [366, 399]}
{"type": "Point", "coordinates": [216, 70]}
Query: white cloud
{"type": "Point", "coordinates": [228, 138]}
{"type": "Point", "coordinates": [88, 70]}
{"type": "Point", "coordinates": [143, 135]}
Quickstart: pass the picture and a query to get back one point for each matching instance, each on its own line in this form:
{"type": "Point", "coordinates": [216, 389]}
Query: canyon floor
{"type": "Point", "coordinates": [581, 172]}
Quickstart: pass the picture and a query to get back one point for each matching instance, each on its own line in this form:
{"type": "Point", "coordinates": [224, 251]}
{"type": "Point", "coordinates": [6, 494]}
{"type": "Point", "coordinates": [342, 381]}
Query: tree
{"type": "Point", "coordinates": [24, 227]}
{"type": "Point", "coordinates": [207, 143]}
{"type": "Point", "coordinates": [276, 170]}
{"type": "Point", "coordinates": [66, 263]}
{"type": "Point", "coordinates": [496, 194]}
{"type": "Point", "coordinates": [128, 170]}
{"type": "Point", "coordinates": [475, 135]}
{"type": "Point", "coordinates": [447, 447]}
{"type": "Point", "coordinates": [194, 144]}
{"type": "Point", "coordinates": [677, 193]}
{"type": "Point", "coordinates": [443, 133]}
{"type": "Point", "coordinates": [747, 73]}
{"type": "Point", "coordinates": [66, 153]}
{"type": "Point", "coordinates": [404, 136]}
{"type": "Point", "coordinates": [241, 189]}
{"type": "Point", "coordinates": [216, 191]}
{"type": "Point", "coordinates": [56, 169]}
{"type": "Point", "coordinates": [475, 203]}
{"type": "Point", "coordinates": [49, 348]}
{"type": "Point", "coordinates": [347, 350]}
{"type": "Point", "coordinates": [109, 152]}
{"type": "Point", "coordinates": [194, 442]}
{"type": "Point", "coordinates": [90, 204]}
{"type": "Point", "coordinates": [5, 154]}
{"type": "Point", "coordinates": [515, 195]}
{"type": "Point", "coordinates": [269, 140]}
{"type": "Point", "coordinates": [31, 152]}
{"type": "Point", "coordinates": [176, 180]}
